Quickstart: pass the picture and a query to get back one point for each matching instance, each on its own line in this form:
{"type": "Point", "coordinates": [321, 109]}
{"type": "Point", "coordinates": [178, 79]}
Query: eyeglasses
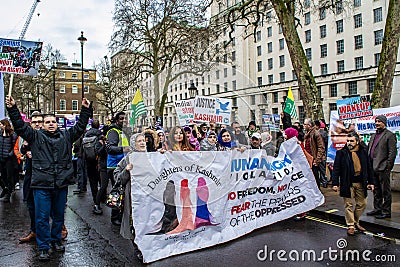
{"type": "Point", "coordinates": [121, 118]}
{"type": "Point", "coordinates": [212, 136]}
{"type": "Point", "coordinates": [160, 135]}
{"type": "Point", "coordinates": [34, 122]}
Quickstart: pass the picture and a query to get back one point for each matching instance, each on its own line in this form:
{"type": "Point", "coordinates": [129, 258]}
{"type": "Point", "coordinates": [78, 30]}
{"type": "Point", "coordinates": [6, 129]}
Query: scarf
{"type": "Point", "coordinates": [356, 161]}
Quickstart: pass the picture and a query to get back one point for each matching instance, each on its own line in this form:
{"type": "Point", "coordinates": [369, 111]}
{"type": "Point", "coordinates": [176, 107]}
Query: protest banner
{"type": "Point", "coordinates": [364, 126]}
{"type": "Point", "coordinates": [20, 56]}
{"type": "Point", "coordinates": [270, 122]}
{"type": "Point", "coordinates": [185, 201]}
{"type": "Point", "coordinates": [208, 109]}
{"type": "Point", "coordinates": [354, 107]}
{"type": "Point", "coordinates": [184, 111]}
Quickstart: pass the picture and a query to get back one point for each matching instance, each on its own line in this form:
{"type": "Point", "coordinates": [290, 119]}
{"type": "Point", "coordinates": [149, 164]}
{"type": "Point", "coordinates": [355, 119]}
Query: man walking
{"type": "Point", "coordinates": [352, 171]}
{"type": "Point", "coordinates": [52, 171]}
{"type": "Point", "coordinates": [382, 149]}
{"type": "Point", "coordinates": [314, 145]}
{"type": "Point", "coordinates": [117, 145]}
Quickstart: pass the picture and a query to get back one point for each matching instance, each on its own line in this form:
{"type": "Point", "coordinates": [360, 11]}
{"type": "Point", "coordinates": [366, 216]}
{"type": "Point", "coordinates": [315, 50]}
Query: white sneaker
{"type": "Point", "coordinates": [17, 186]}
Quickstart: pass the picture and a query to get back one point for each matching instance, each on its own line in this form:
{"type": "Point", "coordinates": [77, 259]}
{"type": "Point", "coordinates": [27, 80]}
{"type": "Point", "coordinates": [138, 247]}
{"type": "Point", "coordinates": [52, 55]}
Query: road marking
{"type": "Point", "coordinates": [331, 211]}
{"type": "Point", "coordinates": [395, 240]}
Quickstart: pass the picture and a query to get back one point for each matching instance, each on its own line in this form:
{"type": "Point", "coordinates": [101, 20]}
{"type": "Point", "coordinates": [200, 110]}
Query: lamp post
{"type": "Point", "coordinates": [192, 90]}
{"type": "Point", "coordinates": [82, 40]}
{"type": "Point", "coordinates": [54, 88]}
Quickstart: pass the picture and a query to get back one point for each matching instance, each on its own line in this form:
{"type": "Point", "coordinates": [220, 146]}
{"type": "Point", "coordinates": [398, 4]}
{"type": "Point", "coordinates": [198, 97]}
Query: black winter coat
{"type": "Point", "coordinates": [7, 144]}
{"type": "Point", "coordinates": [343, 170]}
{"type": "Point", "coordinates": [51, 152]}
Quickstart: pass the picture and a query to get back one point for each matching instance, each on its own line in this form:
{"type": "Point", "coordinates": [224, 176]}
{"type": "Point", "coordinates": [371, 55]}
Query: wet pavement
{"type": "Point", "coordinates": [94, 241]}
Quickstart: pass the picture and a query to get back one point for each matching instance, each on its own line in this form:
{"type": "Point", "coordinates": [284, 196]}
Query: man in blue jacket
{"type": "Point", "coordinates": [52, 171]}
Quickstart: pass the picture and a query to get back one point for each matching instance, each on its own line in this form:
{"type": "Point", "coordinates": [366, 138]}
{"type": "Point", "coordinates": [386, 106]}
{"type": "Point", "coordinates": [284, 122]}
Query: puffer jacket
{"type": "Point", "coordinates": [51, 152]}
{"type": "Point", "coordinates": [7, 146]}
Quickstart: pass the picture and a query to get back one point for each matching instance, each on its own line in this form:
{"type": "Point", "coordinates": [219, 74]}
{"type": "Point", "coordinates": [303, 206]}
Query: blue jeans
{"type": "Point", "coordinates": [49, 202]}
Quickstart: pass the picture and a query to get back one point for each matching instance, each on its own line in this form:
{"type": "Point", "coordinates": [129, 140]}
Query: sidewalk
{"type": "Point", "coordinates": [333, 209]}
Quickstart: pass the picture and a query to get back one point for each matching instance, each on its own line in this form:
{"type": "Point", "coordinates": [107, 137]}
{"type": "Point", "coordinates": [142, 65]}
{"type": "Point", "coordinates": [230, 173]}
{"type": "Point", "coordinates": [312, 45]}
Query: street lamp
{"type": "Point", "coordinates": [192, 90]}
{"type": "Point", "coordinates": [82, 40]}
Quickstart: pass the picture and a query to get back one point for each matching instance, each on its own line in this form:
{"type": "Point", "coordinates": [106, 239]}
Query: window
{"type": "Point", "coordinates": [270, 79]}
{"type": "Point", "coordinates": [270, 64]}
{"type": "Point", "coordinates": [259, 50]}
{"type": "Point", "coordinates": [233, 55]}
{"type": "Point", "coordinates": [294, 75]}
{"type": "Point", "coordinates": [74, 104]}
{"type": "Point", "coordinates": [357, 3]}
{"type": "Point", "coordinates": [324, 69]}
{"type": "Point", "coordinates": [340, 46]}
{"type": "Point", "coordinates": [281, 61]}
{"type": "Point", "coordinates": [259, 81]}
{"type": "Point", "coordinates": [61, 74]}
{"type": "Point", "coordinates": [225, 86]}
{"type": "Point", "coordinates": [233, 85]}
{"type": "Point", "coordinates": [269, 31]}
{"type": "Point", "coordinates": [307, 18]}
{"type": "Point", "coordinates": [269, 47]}
{"type": "Point", "coordinates": [319, 88]}
{"type": "Point", "coordinates": [333, 90]}
{"type": "Point", "coordinates": [352, 88]}
{"type": "Point", "coordinates": [377, 58]}
{"type": "Point", "coordinates": [252, 115]}
{"type": "Point", "coordinates": [217, 74]}
{"type": "Point", "coordinates": [225, 72]}
{"type": "Point", "coordinates": [358, 42]}
{"type": "Point", "coordinates": [332, 106]}
{"type": "Point", "coordinates": [358, 62]}
{"type": "Point", "coordinates": [74, 76]}
{"type": "Point", "coordinates": [378, 37]}
{"type": "Point", "coordinates": [340, 66]}
{"type": "Point", "coordinates": [86, 89]}
{"type": "Point", "coordinates": [268, 16]}
{"type": "Point", "coordinates": [233, 70]}
{"type": "Point", "coordinates": [85, 76]}
{"type": "Point", "coordinates": [234, 102]}
{"type": "Point", "coordinates": [339, 7]}
{"type": "Point", "coordinates": [324, 50]}
{"type": "Point", "coordinates": [62, 89]}
{"type": "Point", "coordinates": [282, 77]}
{"type": "Point", "coordinates": [217, 88]}
{"type": "Point", "coordinates": [280, 28]}
{"type": "Point", "coordinates": [275, 97]}
{"type": "Point", "coordinates": [233, 41]}
{"type": "Point", "coordinates": [74, 89]}
{"type": "Point", "coordinates": [281, 44]}
{"type": "Point", "coordinates": [274, 110]}
{"type": "Point", "coordinates": [339, 26]}
{"type": "Point", "coordinates": [252, 100]}
{"type": "Point", "coordinates": [357, 21]}
{"type": "Point", "coordinates": [301, 114]}
{"type": "Point", "coordinates": [259, 66]}
{"type": "Point", "coordinates": [258, 36]}
{"type": "Point", "coordinates": [63, 105]}
{"type": "Point", "coordinates": [322, 13]}
{"type": "Point", "coordinates": [308, 54]}
{"type": "Point", "coordinates": [308, 36]}
{"type": "Point", "coordinates": [225, 58]}
{"type": "Point", "coordinates": [377, 14]}
{"type": "Point", "coordinates": [306, 3]}
{"type": "Point", "coordinates": [371, 85]}
{"type": "Point", "coordinates": [322, 31]}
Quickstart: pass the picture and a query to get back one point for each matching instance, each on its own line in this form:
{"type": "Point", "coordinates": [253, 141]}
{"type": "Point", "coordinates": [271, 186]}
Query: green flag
{"type": "Point", "coordinates": [137, 107]}
{"type": "Point", "coordinates": [290, 108]}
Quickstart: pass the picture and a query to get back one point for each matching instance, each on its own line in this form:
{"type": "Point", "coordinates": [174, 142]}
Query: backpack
{"type": "Point", "coordinates": [89, 147]}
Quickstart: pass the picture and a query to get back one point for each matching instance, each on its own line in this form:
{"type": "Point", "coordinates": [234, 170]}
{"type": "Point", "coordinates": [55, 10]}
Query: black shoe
{"type": "Point", "coordinates": [374, 212]}
{"type": "Point", "coordinates": [44, 255]}
{"type": "Point", "coordinates": [116, 222]}
{"type": "Point", "coordinates": [325, 185]}
{"type": "Point", "coordinates": [6, 198]}
{"type": "Point", "coordinates": [383, 216]}
{"type": "Point", "coordinates": [97, 210]}
{"type": "Point", "coordinates": [139, 255]}
{"type": "Point", "coordinates": [58, 246]}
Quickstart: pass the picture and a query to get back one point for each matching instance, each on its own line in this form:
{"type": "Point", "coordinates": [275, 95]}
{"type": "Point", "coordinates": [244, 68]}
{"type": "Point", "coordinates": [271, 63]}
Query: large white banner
{"type": "Point", "coordinates": [364, 126]}
{"type": "Point", "coordinates": [185, 201]}
{"type": "Point", "coordinates": [207, 109]}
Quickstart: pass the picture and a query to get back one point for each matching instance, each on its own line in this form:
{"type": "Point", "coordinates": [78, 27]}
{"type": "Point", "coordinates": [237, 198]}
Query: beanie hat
{"type": "Point", "coordinates": [291, 132]}
{"type": "Point", "coordinates": [253, 123]}
{"type": "Point", "coordinates": [382, 118]}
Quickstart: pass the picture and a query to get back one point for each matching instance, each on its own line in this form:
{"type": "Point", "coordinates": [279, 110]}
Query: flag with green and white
{"type": "Point", "coordinates": [290, 108]}
{"type": "Point", "coordinates": [137, 107]}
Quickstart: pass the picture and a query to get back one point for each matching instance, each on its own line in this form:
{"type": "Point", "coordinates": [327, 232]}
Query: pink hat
{"type": "Point", "coordinates": [291, 132]}
{"type": "Point", "coordinates": [322, 125]}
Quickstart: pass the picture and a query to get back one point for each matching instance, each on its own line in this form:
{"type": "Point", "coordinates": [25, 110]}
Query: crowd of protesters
{"type": "Point", "coordinates": [48, 153]}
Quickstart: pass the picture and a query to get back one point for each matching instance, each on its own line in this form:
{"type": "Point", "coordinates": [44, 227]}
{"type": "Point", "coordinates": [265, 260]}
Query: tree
{"type": "Point", "coordinates": [388, 58]}
{"type": "Point", "coordinates": [165, 39]}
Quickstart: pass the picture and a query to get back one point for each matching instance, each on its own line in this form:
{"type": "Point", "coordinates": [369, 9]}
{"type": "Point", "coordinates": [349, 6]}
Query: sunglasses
{"type": "Point", "coordinates": [37, 121]}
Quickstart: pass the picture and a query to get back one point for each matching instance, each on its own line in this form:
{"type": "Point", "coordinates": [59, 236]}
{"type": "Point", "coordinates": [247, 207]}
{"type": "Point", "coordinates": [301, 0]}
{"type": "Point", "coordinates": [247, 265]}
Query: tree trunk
{"type": "Point", "coordinates": [387, 63]}
{"type": "Point", "coordinates": [157, 98]}
{"type": "Point", "coordinates": [307, 86]}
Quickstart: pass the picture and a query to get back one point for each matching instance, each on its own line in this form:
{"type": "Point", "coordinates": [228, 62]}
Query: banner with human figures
{"type": "Point", "coordinates": [185, 201]}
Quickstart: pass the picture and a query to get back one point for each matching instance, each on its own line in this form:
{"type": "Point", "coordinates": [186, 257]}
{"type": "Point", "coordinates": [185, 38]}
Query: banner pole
{"type": "Point", "coordinates": [11, 84]}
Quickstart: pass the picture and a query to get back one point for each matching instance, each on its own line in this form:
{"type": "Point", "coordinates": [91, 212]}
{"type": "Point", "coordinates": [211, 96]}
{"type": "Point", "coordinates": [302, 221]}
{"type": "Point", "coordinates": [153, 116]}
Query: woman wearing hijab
{"type": "Point", "coordinates": [151, 140]}
{"type": "Point", "coordinates": [178, 140]}
{"type": "Point", "coordinates": [209, 143]}
{"type": "Point", "coordinates": [192, 140]}
{"type": "Point", "coordinates": [225, 140]}
{"type": "Point", "coordinates": [122, 176]}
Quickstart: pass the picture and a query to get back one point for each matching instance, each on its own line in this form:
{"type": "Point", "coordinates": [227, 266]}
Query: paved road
{"type": "Point", "coordinates": [93, 241]}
